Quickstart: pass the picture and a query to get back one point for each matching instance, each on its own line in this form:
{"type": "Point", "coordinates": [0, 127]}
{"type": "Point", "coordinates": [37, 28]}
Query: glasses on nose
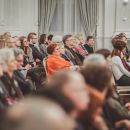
{"type": "Point", "coordinates": [20, 61]}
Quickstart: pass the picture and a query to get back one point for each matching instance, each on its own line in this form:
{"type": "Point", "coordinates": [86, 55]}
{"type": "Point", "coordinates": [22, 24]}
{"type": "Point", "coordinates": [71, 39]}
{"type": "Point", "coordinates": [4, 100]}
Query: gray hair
{"type": "Point", "coordinates": [17, 52]}
{"type": "Point", "coordinates": [5, 55]}
{"type": "Point", "coordinates": [57, 39]}
{"type": "Point", "coordinates": [96, 59]}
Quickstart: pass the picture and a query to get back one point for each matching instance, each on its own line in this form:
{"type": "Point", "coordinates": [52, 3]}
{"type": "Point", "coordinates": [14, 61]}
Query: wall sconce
{"type": "Point", "coordinates": [124, 19]}
{"type": "Point", "coordinates": [125, 2]}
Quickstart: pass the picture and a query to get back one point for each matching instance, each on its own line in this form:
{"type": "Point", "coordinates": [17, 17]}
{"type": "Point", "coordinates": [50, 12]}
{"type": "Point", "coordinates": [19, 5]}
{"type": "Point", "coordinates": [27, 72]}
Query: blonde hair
{"type": "Point", "coordinates": [3, 42]}
{"type": "Point", "coordinates": [79, 36]}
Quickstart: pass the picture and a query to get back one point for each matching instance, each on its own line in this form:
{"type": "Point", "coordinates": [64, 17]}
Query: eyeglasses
{"type": "Point", "coordinates": [24, 41]}
{"type": "Point", "coordinates": [18, 60]}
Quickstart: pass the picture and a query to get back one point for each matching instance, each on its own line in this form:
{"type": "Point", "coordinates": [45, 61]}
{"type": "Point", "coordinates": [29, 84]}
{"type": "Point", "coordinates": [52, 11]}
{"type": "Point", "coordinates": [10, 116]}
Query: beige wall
{"type": "Point", "coordinates": [111, 21]}
{"type": "Point", "coordinates": [21, 17]}
{"type": "Point", "coordinates": [18, 16]}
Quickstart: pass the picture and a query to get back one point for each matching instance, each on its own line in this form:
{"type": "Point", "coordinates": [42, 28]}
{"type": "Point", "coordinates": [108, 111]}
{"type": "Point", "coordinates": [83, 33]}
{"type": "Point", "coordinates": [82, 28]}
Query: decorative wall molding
{"type": "Point", "coordinates": [111, 14]}
{"type": "Point", "coordinates": [19, 16]}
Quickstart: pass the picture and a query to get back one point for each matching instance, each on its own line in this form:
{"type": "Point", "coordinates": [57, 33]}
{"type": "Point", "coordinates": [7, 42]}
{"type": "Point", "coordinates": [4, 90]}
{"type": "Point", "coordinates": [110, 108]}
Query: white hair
{"type": "Point", "coordinates": [6, 55]}
{"type": "Point", "coordinates": [57, 39]}
{"type": "Point", "coordinates": [17, 51]}
{"type": "Point", "coordinates": [96, 59]}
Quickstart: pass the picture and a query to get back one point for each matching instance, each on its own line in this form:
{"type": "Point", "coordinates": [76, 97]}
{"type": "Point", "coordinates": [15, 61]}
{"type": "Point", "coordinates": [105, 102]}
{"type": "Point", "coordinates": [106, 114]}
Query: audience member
{"type": "Point", "coordinates": [9, 66]}
{"type": "Point", "coordinates": [98, 79]}
{"type": "Point", "coordinates": [49, 39]}
{"type": "Point", "coordinates": [69, 44]}
{"type": "Point", "coordinates": [120, 68]}
{"type": "Point", "coordinates": [55, 62]}
{"type": "Point", "coordinates": [89, 44]}
{"type": "Point", "coordinates": [38, 114]}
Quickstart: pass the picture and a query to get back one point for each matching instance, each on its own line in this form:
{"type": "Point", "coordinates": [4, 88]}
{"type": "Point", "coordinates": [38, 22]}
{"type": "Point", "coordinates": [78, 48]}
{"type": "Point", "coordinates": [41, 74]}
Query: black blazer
{"type": "Point", "coordinates": [25, 86]}
{"type": "Point", "coordinates": [12, 86]}
{"type": "Point", "coordinates": [88, 48]}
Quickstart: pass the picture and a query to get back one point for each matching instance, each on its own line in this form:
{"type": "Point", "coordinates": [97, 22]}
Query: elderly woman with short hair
{"type": "Point", "coordinates": [55, 62]}
{"type": "Point", "coordinates": [24, 84]}
{"type": "Point", "coordinates": [9, 66]}
{"type": "Point", "coordinates": [4, 96]}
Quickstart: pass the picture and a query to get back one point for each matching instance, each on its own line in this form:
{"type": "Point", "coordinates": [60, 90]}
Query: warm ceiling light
{"type": "Point", "coordinates": [125, 2]}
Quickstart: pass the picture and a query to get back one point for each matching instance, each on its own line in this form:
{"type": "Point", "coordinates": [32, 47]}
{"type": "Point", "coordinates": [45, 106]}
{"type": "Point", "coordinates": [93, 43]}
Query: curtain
{"type": "Point", "coordinates": [46, 12]}
{"type": "Point", "coordinates": [89, 14]}
{"type": "Point", "coordinates": [66, 19]}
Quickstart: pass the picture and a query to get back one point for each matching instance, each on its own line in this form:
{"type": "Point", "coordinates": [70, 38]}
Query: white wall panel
{"type": "Point", "coordinates": [111, 14]}
{"type": "Point", "coordinates": [19, 16]}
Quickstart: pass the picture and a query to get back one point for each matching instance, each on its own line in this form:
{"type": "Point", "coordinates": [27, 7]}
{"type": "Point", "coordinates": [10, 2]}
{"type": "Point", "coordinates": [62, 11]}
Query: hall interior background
{"type": "Point", "coordinates": [21, 17]}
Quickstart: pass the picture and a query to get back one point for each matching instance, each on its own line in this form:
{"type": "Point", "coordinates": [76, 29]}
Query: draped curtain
{"type": "Point", "coordinates": [89, 15]}
{"type": "Point", "coordinates": [46, 12]}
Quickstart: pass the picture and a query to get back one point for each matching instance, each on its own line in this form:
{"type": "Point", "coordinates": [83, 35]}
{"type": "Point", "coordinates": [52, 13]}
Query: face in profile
{"type": "Point", "coordinates": [19, 60]}
{"type": "Point", "coordinates": [91, 42]}
{"type": "Point", "coordinates": [57, 51]}
{"type": "Point", "coordinates": [62, 50]}
{"type": "Point", "coordinates": [25, 43]}
{"type": "Point", "coordinates": [12, 64]}
{"type": "Point", "coordinates": [70, 41]}
{"type": "Point", "coordinates": [34, 39]}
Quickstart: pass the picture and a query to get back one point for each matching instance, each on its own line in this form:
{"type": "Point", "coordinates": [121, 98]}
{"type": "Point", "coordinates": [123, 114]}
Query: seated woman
{"type": "Point", "coordinates": [120, 68]}
{"type": "Point", "coordinates": [9, 66]}
{"type": "Point", "coordinates": [28, 57]}
{"type": "Point", "coordinates": [25, 84]}
{"type": "Point", "coordinates": [54, 61]}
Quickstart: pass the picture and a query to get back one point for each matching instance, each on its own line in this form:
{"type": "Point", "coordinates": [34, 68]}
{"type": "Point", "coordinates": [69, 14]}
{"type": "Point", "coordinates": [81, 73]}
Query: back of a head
{"type": "Point", "coordinates": [118, 37]}
{"type": "Point", "coordinates": [96, 59]}
{"type": "Point", "coordinates": [63, 77]}
{"type": "Point", "coordinates": [119, 44]}
{"type": "Point", "coordinates": [98, 77]}
{"type": "Point", "coordinates": [37, 114]}
{"type": "Point", "coordinates": [105, 52]}
{"type": "Point", "coordinates": [57, 39]}
{"type": "Point", "coordinates": [7, 34]}
{"type": "Point", "coordinates": [72, 84]}
{"type": "Point", "coordinates": [17, 52]}
{"type": "Point", "coordinates": [96, 72]}
{"type": "Point", "coordinates": [58, 96]}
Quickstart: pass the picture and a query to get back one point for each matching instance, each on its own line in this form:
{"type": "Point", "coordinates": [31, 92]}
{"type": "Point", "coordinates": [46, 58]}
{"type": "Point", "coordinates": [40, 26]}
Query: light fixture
{"type": "Point", "coordinates": [125, 2]}
{"type": "Point", "coordinates": [124, 19]}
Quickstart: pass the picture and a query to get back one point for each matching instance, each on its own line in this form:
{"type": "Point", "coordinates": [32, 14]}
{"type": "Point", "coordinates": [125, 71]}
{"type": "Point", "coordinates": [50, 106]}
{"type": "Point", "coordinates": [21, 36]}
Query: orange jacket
{"type": "Point", "coordinates": [55, 63]}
